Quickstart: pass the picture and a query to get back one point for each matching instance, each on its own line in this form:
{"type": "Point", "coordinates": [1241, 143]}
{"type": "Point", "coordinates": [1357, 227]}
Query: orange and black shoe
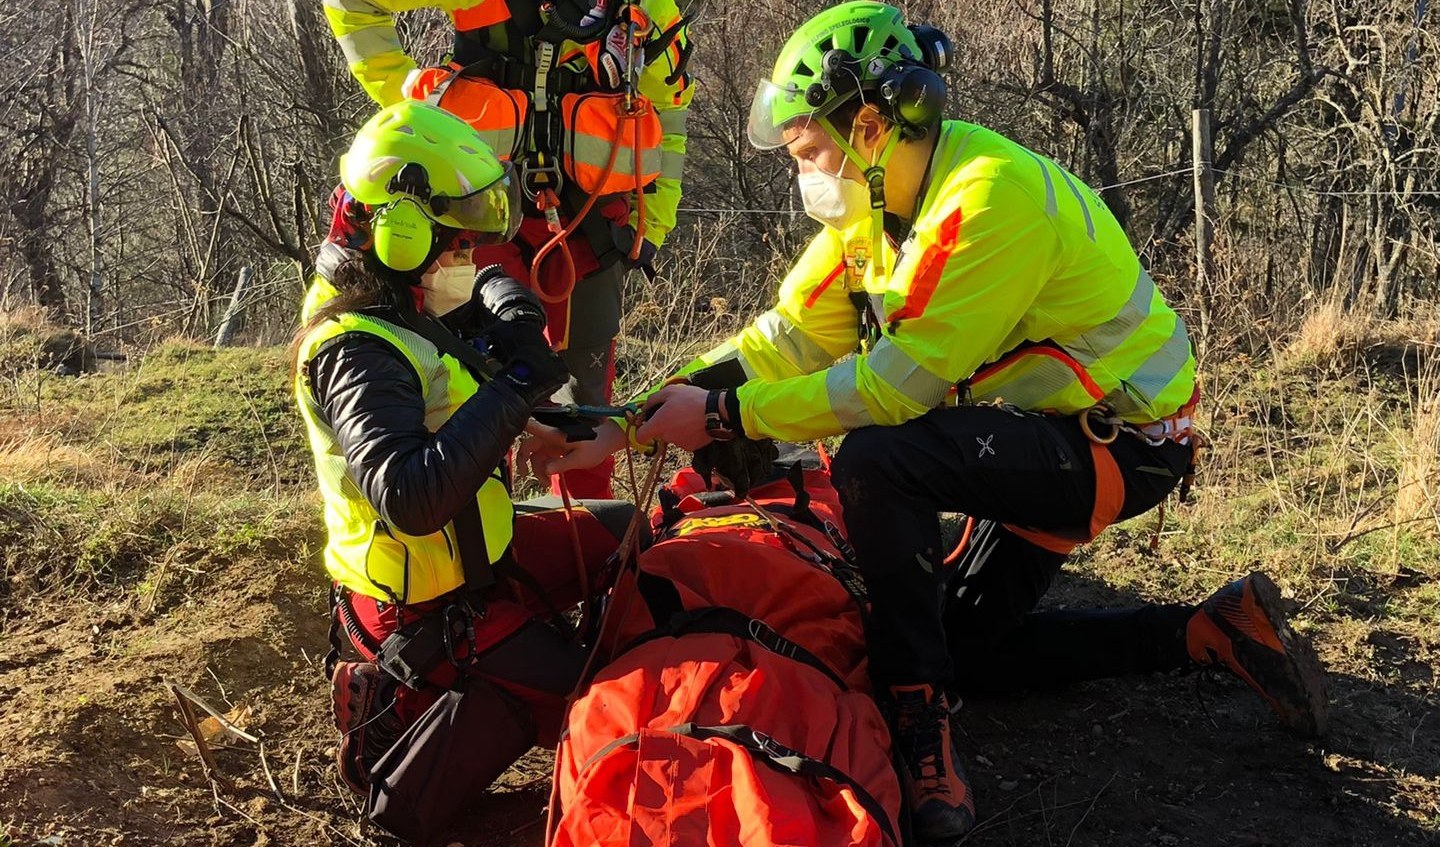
{"type": "Point", "coordinates": [1242, 627]}
{"type": "Point", "coordinates": [942, 807]}
{"type": "Point", "coordinates": [364, 701]}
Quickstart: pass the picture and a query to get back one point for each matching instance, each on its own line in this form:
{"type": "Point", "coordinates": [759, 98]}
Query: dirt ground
{"type": "Point", "coordinates": [89, 753]}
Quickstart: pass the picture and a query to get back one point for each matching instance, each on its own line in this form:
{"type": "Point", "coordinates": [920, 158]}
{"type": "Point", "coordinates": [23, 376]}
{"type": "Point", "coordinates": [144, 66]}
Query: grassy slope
{"type": "Point", "coordinates": [156, 521]}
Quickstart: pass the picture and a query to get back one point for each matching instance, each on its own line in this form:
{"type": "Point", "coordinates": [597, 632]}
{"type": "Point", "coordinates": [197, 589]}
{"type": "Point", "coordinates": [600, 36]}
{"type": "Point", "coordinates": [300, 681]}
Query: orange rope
{"type": "Point", "coordinates": [964, 541]}
{"type": "Point", "coordinates": [579, 552]}
{"type": "Point", "coordinates": [559, 238]}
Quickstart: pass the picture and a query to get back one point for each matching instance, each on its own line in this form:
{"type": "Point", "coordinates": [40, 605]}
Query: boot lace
{"type": "Point", "coordinates": [920, 726]}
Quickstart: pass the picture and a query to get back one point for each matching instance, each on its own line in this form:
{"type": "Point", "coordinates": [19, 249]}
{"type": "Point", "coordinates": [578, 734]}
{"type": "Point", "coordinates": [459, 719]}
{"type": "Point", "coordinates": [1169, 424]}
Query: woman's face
{"type": "Point", "coordinates": [451, 258]}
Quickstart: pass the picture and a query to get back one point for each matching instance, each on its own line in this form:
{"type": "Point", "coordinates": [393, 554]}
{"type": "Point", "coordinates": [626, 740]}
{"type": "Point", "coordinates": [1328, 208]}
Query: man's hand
{"type": "Point", "coordinates": [547, 452]}
{"type": "Point", "coordinates": [676, 415]}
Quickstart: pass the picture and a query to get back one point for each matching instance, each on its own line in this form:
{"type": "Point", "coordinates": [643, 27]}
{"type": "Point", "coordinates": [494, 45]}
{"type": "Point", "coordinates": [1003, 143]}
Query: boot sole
{"type": "Point", "coordinates": [1304, 675]}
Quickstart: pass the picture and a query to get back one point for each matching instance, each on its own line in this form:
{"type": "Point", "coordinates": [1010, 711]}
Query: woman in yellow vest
{"type": "Point", "coordinates": [438, 584]}
{"type": "Point", "coordinates": [1012, 360]}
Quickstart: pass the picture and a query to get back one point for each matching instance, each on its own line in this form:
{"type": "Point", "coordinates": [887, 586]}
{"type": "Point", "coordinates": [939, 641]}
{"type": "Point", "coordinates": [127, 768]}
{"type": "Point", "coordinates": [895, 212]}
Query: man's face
{"type": "Point", "coordinates": [812, 149]}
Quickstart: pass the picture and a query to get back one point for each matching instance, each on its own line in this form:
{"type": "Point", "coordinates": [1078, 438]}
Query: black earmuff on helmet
{"type": "Point", "coordinates": [935, 48]}
{"type": "Point", "coordinates": [913, 98]}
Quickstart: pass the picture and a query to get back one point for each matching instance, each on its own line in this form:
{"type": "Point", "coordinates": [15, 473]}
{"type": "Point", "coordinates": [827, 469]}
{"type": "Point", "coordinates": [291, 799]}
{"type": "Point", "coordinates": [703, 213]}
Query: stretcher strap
{"type": "Point", "coordinates": [726, 621]}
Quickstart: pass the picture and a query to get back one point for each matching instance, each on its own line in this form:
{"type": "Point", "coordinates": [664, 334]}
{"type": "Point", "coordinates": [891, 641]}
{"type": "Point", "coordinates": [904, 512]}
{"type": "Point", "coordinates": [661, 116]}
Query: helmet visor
{"type": "Point", "coordinates": [777, 114]}
{"type": "Point", "coordinates": [491, 215]}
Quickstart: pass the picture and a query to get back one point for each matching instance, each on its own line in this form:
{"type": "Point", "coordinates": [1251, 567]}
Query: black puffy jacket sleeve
{"type": "Point", "coordinates": [417, 480]}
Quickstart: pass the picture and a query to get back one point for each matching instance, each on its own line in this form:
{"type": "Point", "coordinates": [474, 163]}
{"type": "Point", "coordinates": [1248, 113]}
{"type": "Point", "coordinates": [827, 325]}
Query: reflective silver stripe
{"type": "Point", "coordinates": [1052, 208]}
{"type": "Point", "coordinates": [1097, 343]}
{"type": "Point", "coordinates": [672, 165]}
{"type": "Point", "coordinates": [791, 342]}
{"type": "Point", "coordinates": [843, 393]}
{"type": "Point", "coordinates": [672, 121]}
{"type": "Point", "coordinates": [727, 351]}
{"type": "Point", "coordinates": [1084, 207]}
{"type": "Point", "coordinates": [595, 152]}
{"type": "Point", "coordinates": [1043, 378]}
{"type": "Point", "coordinates": [367, 43]}
{"type": "Point", "coordinates": [1163, 365]}
{"type": "Point", "coordinates": [908, 376]}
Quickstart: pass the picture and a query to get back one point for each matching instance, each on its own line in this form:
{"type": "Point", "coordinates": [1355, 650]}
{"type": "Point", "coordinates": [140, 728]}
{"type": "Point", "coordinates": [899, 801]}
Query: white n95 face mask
{"type": "Point", "coordinates": [833, 200]}
{"type": "Point", "coordinates": [448, 288]}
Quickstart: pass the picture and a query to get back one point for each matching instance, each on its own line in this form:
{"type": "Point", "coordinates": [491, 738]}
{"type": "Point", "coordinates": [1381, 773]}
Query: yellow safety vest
{"type": "Point", "coordinates": [364, 553]}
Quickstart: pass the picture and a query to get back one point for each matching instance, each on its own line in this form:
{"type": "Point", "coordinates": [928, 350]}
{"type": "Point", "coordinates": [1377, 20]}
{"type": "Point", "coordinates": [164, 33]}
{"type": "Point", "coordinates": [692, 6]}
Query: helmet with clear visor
{"type": "Point", "coordinates": [418, 167]}
{"type": "Point", "coordinates": [839, 54]}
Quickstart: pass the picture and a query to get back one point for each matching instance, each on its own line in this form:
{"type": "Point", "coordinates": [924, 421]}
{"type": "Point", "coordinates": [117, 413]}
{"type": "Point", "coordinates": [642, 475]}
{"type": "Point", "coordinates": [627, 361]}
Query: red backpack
{"type": "Point", "coordinates": [734, 708]}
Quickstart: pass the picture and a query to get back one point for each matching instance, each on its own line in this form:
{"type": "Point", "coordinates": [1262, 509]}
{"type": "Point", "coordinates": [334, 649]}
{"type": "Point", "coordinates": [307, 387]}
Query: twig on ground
{"type": "Point", "coordinates": [207, 759]}
{"type": "Point", "coordinates": [295, 772]}
{"type": "Point", "coordinates": [270, 777]}
{"type": "Point", "coordinates": [1090, 808]}
{"type": "Point", "coordinates": [219, 685]}
{"type": "Point", "coordinates": [185, 694]}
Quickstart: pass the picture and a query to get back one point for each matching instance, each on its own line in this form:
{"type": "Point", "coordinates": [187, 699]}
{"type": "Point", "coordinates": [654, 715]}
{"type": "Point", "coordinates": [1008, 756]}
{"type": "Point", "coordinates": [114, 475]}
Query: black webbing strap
{"type": "Point", "coordinates": [727, 621]}
{"type": "Point", "coordinates": [469, 527]}
{"type": "Point", "coordinates": [332, 657]}
{"type": "Point", "coordinates": [771, 752]}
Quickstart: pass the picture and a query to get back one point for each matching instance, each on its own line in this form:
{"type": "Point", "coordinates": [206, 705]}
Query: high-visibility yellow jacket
{"type": "Point", "coordinates": [366, 32]}
{"type": "Point", "coordinates": [1015, 283]}
{"type": "Point", "coordinates": [363, 552]}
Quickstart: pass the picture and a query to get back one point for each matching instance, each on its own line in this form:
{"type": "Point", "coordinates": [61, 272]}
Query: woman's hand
{"type": "Point", "coordinates": [546, 452]}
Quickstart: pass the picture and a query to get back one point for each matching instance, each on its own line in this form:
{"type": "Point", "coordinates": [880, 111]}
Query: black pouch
{"type": "Point", "coordinates": [436, 771]}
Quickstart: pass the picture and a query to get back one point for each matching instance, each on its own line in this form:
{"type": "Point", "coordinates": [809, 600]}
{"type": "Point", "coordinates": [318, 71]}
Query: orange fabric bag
{"type": "Point", "coordinates": [497, 114]}
{"type": "Point", "coordinates": [595, 127]}
{"type": "Point", "coordinates": [734, 709]}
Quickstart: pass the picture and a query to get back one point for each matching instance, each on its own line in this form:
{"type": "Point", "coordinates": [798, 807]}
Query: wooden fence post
{"type": "Point", "coordinates": [231, 321]}
{"type": "Point", "coordinates": [1204, 217]}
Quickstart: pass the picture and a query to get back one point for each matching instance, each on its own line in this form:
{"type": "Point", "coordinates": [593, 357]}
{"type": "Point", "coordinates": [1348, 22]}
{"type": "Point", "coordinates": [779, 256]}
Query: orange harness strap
{"type": "Point", "coordinates": [1109, 499]}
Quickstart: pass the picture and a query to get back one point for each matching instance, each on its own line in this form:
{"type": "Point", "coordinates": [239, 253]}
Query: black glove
{"type": "Point", "coordinates": [738, 463]}
{"type": "Point", "coordinates": [534, 372]}
{"type": "Point", "coordinates": [624, 238]}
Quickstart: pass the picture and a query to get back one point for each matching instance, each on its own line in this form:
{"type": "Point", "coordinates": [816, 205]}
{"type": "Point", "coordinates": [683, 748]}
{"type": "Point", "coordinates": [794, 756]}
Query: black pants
{"type": "Point", "coordinates": [973, 625]}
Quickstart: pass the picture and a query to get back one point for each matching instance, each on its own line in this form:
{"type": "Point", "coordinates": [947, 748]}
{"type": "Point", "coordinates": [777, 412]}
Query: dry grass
{"type": "Point", "coordinates": [1332, 338]}
{"type": "Point", "coordinates": [1418, 496]}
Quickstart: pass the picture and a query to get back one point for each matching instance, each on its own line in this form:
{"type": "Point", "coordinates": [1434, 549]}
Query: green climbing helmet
{"type": "Point", "coordinates": [834, 56]}
{"type": "Point", "coordinates": [417, 166]}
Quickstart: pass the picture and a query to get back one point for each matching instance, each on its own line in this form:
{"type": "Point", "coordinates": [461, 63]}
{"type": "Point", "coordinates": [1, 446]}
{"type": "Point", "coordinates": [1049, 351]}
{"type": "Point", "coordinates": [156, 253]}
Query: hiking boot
{"type": "Point", "coordinates": [942, 809]}
{"type": "Point", "coordinates": [1242, 627]}
{"type": "Point", "coordinates": [364, 701]}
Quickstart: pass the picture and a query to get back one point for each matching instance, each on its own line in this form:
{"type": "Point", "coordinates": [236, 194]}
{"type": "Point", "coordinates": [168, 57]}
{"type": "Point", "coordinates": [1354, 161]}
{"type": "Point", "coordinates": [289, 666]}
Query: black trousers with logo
{"type": "Point", "coordinates": [973, 624]}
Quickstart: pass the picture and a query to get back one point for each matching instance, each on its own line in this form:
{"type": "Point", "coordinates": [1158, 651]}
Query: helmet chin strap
{"type": "Point", "coordinates": [875, 178]}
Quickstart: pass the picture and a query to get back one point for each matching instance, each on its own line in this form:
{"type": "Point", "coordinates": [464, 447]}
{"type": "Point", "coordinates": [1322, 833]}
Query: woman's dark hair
{"type": "Point", "coordinates": [361, 282]}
